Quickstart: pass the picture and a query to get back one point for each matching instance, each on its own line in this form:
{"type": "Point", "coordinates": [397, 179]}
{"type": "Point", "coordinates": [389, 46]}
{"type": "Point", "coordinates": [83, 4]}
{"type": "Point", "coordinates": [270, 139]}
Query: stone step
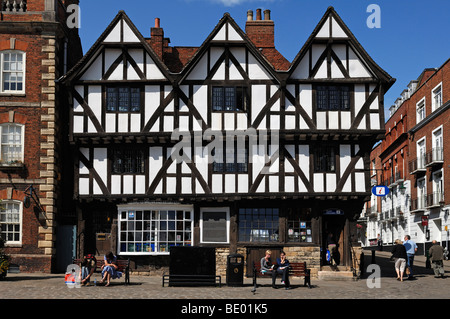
{"type": "Point", "coordinates": [335, 273]}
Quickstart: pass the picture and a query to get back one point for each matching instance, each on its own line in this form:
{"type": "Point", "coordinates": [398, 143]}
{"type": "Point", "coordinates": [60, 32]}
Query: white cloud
{"type": "Point", "coordinates": [231, 3]}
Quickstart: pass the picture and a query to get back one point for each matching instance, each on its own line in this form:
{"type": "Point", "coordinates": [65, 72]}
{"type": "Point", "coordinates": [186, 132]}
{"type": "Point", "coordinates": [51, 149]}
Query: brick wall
{"type": "Point", "coordinates": [38, 109]}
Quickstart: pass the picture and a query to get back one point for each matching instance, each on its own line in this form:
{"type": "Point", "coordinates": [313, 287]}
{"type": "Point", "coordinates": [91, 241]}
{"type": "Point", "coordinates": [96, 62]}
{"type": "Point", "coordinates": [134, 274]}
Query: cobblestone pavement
{"type": "Point", "coordinates": [149, 289]}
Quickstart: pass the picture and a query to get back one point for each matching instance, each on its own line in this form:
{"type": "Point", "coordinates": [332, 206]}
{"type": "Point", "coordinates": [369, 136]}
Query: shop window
{"type": "Point", "coordinates": [151, 230]}
{"type": "Point", "coordinates": [258, 224]}
{"type": "Point", "coordinates": [299, 225]}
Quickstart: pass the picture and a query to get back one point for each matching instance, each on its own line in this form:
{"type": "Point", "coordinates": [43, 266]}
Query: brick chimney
{"type": "Point", "coordinates": [157, 38]}
{"type": "Point", "coordinates": [261, 32]}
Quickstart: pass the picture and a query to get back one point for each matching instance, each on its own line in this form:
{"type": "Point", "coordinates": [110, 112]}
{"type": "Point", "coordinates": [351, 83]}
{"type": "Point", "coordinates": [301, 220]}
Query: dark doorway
{"type": "Point", "coordinates": [333, 224]}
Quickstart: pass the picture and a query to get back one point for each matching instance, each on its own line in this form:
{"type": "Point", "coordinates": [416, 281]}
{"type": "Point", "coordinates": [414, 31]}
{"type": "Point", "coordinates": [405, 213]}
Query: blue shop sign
{"type": "Point", "coordinates": [333, 212]}
{"type": "Point", "coordinates": [380, 190]}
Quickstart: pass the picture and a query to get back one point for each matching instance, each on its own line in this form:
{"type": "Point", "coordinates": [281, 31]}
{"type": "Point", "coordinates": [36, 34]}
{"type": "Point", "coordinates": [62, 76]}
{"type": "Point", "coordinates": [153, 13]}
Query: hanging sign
{"type": "Point", "coordinates": [424, 220]}
{"type": "Point", "coordinates": [380, 190]}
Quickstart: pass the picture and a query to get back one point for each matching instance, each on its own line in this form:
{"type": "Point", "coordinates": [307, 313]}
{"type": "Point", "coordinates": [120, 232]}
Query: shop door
{"type": "Point", "coordinates": [334, 225]}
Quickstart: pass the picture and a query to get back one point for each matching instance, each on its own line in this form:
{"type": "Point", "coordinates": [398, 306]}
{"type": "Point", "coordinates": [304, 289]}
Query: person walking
{"type": "Point", "coordinates": [411, 249]}
{"type": "Point", "coordinates": [400, 257]}
{"type": "Point", "coordinates": [436, 255]}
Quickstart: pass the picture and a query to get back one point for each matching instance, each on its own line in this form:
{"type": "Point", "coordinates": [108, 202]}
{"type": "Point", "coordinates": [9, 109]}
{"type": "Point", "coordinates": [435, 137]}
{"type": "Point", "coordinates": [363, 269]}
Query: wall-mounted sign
{"type": "Point", "coordinates": [380, 190]}
{"type": "Point", "coordinates": [333, 212]}
{"type": "Point", "coordinates": [424, 220]}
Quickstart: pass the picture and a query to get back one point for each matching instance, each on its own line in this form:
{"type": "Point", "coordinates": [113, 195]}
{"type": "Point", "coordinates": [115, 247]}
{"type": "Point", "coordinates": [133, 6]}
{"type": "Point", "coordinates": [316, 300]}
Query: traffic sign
{"type": "Point", "coordinates": [380, 190]}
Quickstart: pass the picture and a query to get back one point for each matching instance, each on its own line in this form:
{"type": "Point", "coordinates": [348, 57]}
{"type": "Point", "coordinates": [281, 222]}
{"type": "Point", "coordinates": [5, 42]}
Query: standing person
{"type": "Point", "coordinates": [331, 245]}
{"type": "Point", "coordinates": [88, 266]}
{"type": "Point", "coordinates": [436, 254]}
{"type": "Point", "coordinates": [411, 249]}
{"type": "Point", "coordinates": [283, 270]}
{"type": "Point", "coordinates": [109, 269]}
{"type": "Point", "coordinates": [400, 256]}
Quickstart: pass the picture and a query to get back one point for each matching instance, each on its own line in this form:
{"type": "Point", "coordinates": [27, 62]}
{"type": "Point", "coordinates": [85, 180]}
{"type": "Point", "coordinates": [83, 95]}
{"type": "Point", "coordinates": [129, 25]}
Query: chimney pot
{"type": "Point", "coordinates": [157, 23]}
{"type": "Point", "coordinates": [250, 15]}
{"type": "Point", "coordinates": [258, 14]}
{"type": "Point", "coordinates": [267, 14]}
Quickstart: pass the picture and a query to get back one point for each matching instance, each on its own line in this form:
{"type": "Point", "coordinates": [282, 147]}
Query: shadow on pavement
{"type": "Point", "coordinates": [387, 266]}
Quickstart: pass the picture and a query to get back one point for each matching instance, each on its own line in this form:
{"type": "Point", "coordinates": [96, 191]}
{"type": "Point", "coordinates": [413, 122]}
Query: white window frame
{"type": "Point", "coordinates": [151, 207]}
{"type": "Point", "coordinates": [438, 185]}
{"type": "Point", "coordinates": [419, 105]}
{"type": "Point", "coordinates": [14, 243]}
{"type": "Point", "coordinates": [434, 145]}
{"type": "Point", "coordinates": [215, 209]}
{"type": "Point", "coordinates": [434, 105]}
{"type": "Point", "coordinates": [421, 157]}
{"type": "Point", "coordinates": [22, 137]}
{"type": "Point", "coordinates": [421, 192]}
{"type": "Point", "coordinates": [24, 59]}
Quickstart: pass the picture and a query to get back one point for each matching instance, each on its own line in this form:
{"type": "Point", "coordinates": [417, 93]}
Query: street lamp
{"type": "Point", "coordinates": [30, 194]}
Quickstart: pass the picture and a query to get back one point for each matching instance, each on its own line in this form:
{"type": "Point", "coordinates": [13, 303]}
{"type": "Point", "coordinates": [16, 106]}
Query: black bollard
{"type": "Point", "coordinates": [373, 257]}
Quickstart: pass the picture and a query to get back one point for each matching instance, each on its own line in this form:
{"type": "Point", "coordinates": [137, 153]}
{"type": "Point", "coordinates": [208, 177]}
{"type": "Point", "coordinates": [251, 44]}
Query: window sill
{"type": "Point", "coordinates": [11, 166]}
{"type": "Point", "coordinates": [22, 94]}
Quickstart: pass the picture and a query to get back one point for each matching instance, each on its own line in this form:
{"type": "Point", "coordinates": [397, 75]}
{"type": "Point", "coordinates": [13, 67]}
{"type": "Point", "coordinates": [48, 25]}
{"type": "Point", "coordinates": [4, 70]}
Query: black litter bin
{"type": "Point", "coordinates": [235, 270]}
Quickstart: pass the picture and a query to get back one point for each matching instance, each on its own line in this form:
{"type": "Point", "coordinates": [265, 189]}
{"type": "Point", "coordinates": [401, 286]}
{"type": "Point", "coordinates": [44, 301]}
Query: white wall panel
{"type": "Point", "coordinates": [83, 186]}
{"type": "Point", "coordinates": [116, 184]}
{"type": "Point", "coordinates": [318, 182]}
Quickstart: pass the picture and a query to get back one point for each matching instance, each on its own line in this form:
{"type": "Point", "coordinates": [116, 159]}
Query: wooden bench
{"type": "Point", "coordinates": [122, 264]}
{"type": "Point", "coordinates": [192, 280]}
{"type": "Point", "coordinates": [295, 270]}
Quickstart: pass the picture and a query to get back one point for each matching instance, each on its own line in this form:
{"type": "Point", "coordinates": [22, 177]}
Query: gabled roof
{"type": "Point", "coordinates": [322, 31]}
{"type": "Point", "coordinates": [93, 52]}
{"type": "Point", "coordinates": [214, 36]}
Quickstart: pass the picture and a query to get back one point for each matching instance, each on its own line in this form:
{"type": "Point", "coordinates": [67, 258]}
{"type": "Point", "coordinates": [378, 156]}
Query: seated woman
{"type": "Point", "coordinates": [283, 269]}
{"type": "Point", "coordinates": [109, 269]}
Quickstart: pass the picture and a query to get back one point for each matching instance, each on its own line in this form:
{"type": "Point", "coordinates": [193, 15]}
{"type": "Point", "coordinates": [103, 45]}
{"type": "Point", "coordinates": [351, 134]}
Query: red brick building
{"type": "Point", "coordinates": [36, 48]}
{"type": "Point", "coordinates": [414, 162]}
{"type": "Point", "coordinates": [429, 157]}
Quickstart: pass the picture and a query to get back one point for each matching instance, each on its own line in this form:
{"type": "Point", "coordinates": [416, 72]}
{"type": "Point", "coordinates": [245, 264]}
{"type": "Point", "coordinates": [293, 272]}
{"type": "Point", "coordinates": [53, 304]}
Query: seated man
{"type": "Point", "coordinates": [88, 265]}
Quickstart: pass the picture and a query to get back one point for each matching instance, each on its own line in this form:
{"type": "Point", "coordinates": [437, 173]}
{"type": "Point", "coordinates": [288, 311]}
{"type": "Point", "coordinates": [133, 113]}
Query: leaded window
{"type": "Point", "coordinates": [128, 161]}
{"type": "Point", "coordinates": [325, 158]}
{"type": "Point", "coordinates": [123, 99]}
{"type": "Point", "coordinates": [230, 98]}
{"type": "Point", "coordinates": [333, 97]}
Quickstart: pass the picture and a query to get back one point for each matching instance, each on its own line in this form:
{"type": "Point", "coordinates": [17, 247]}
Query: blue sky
{"type": "Point", "coordinates": [414, 35]}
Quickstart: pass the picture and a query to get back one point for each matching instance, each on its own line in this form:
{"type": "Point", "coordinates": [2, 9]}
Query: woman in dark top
{"type": "Point", "coordinates": [399, 254]}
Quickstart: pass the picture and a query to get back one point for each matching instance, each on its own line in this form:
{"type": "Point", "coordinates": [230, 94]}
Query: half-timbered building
{"type": "Point", "coordinates": [226, 145]}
